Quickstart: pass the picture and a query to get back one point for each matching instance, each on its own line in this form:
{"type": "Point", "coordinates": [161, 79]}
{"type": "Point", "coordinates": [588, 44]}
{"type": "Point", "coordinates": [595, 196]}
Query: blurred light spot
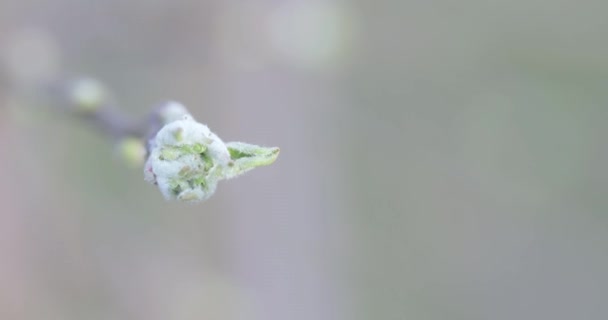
{"type": "Point", "coordinates": [87, 94]}
{"type": "Point", "coordinates": [312, 33]}
{"type": "Point", "coordinates": [238, 29]}
{"type": "Point", "coordinates": [30, 55]}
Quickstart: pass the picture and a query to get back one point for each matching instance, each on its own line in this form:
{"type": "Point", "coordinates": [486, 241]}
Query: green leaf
{"type": "Point", "coordinates": [248, 156]}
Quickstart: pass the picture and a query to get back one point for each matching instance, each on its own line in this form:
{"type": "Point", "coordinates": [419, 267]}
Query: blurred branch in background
{"type": "Point", "coordinates": [183, 157]}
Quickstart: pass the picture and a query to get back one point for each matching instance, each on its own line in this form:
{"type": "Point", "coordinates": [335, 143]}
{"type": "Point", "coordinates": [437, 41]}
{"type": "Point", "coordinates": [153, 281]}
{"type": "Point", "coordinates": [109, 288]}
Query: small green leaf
{"type": "Point", "coordinates": [178, 134]}
{"type": "Point", "coordinates": [169, 153]}
{"type": "Point", "coordinates": [248, 156]}
{"type": "Point", "coordinates": [198, 148]}
{"type": "Point", "coordinates": [184, 171]}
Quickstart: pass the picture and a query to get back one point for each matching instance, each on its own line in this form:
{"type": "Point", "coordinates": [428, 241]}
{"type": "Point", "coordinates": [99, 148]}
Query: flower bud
{"type": "Point", "coordinates": [132, 151]}
{"type": "Point", "coordinates": [87, 95]}
{"type": "Point", "coordinates": [186, 160]}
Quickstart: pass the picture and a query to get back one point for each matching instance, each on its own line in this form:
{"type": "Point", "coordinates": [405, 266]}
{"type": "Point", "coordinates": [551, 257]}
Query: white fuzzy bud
{"type": "Point", "coordinates": [187, 160]}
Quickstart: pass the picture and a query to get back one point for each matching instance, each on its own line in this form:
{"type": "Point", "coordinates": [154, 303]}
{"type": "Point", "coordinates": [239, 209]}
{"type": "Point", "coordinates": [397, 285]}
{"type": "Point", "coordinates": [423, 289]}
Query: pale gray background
{"type": "Point", "coordinates": [440, 160]}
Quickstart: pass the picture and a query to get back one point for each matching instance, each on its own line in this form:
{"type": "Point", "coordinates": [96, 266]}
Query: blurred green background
{"type": "Point", "coordinates": [439, 160]}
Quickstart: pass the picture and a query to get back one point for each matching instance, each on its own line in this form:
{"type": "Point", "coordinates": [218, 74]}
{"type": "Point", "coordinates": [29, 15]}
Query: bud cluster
{"type": "Point", "coordinates": [186, 160]}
